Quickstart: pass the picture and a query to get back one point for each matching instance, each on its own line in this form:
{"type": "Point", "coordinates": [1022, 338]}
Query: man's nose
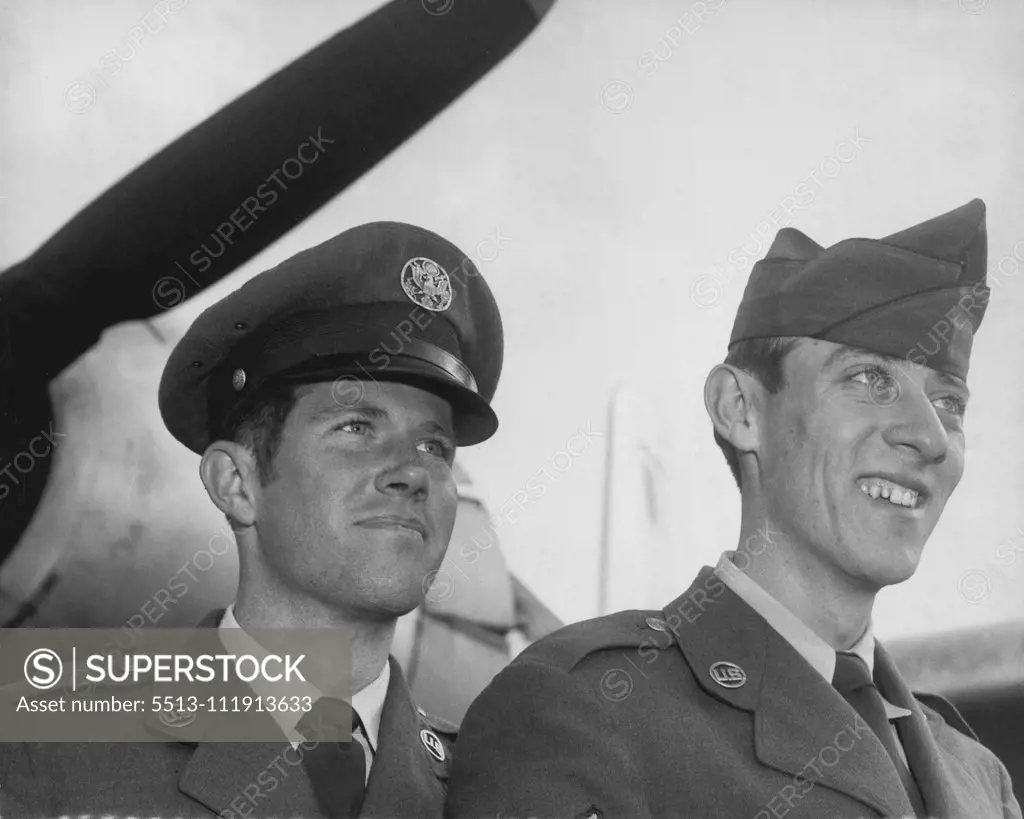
{"type": "Point", "coordinates": [916, 425]}
{"type": "Point", "coordinates": [404, 474]}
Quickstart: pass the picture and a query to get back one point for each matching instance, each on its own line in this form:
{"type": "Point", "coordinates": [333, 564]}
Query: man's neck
{"type": "Point", "coordinates": [818, 594]}
{"type": "Point", "coordinates": [370, 640]}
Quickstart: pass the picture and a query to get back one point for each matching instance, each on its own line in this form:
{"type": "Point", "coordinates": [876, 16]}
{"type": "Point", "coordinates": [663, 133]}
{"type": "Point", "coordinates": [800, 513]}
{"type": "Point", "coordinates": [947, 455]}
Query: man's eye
{"type": "Point", "coordinates": [356, 426]}
{"type": "Point", "coordinates": [435, 446]}
{"type": "Point", "coordinates": [882, 385]}
{"type": "Point", "coordinates": [954, 404]}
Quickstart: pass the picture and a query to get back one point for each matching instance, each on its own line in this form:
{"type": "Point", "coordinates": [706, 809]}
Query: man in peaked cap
{"type": "Point", "coordinates": [326, 398]}
{"type": "Point", "coordinates": [761, 691]}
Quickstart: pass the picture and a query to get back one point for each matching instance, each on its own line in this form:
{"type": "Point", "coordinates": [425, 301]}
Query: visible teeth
{"type": "Point", "coordinates": [896, 495]}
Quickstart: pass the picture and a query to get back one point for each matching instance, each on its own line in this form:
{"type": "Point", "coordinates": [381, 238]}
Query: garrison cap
{"type": "Point", "coordinates": [919, 294]}
{"type": "Point", "coordinates": [384, 301]}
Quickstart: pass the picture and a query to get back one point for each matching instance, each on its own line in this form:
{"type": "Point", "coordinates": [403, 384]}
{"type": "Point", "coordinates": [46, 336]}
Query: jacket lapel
{"type": "Point", "coordinates": [267, 778]}
{"type": "Point", "coordinates": [948, 791]}
{"type": "Point", "coordinates": [403, 780]}
{"type": "Point", "coordinates": [802, 719]}
{"type": "Point", "coordinates": [802, 726]}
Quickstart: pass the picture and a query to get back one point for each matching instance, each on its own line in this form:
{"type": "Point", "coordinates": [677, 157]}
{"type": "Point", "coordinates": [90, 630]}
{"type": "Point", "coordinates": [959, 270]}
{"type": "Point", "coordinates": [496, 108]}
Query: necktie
{"type": "Point", "coordinates": [853, 680]}
{"type": "Point", "coordinates": [336, 769]}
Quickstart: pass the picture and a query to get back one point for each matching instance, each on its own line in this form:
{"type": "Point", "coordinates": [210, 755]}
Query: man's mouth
{"type": "Point", "coordinates": [395, 522]}
{"type": "Point", "coordinates": [892, 492]}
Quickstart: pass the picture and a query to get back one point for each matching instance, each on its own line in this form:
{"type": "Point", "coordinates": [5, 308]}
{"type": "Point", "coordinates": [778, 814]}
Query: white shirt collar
{"type": "Point", "coordinates": [368, 702]}
{"type": "Point", "coordinates": [819, 654]}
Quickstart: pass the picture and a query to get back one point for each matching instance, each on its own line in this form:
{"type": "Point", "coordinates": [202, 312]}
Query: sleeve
{"type": "Point", "coordinates": [539, 742]}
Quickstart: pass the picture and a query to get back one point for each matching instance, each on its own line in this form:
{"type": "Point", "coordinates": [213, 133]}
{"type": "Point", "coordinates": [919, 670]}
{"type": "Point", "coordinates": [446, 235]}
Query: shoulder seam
{"type": "Point", "coordinates": [566, 652]}
{"type": "Point", "coordinates": [948, 712]}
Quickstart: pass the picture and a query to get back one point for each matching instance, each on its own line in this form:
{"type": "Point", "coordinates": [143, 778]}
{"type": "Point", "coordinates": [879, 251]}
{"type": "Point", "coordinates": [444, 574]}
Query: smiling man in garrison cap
{"type": "Point", "coordinates": [326, 397]}
{"type": "Point", "coordinates": [761, 692]}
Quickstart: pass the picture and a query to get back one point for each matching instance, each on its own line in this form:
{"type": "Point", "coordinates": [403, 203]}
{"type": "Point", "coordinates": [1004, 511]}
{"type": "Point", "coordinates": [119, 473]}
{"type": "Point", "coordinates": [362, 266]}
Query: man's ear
{"type": "Point", "coordinates": [228, 471]}
{"type": "Point", "coordinates": [732, 399]}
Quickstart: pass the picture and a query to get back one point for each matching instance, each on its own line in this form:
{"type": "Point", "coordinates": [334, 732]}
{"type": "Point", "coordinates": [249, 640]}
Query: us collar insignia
{"type": "Point", "coordinates": [728, 675]}
{"type": "Point", "coordinates": [177, 719]}
{"type": "Point", "coordinates": [432, 742]}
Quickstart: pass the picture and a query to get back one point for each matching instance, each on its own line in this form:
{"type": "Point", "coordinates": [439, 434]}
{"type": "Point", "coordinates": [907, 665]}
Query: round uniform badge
{"type": "Point", "coordinates": [432, 742]}
{"type": "Point", "coordinates": [427, 284]}
{"type": "Point", "coordinates": [728, 675]}
{"type": "Point", "coordinates": [177, 719]}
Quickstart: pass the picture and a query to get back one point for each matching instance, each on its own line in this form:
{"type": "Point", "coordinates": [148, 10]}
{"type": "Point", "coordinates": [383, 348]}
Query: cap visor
{"type": "Point", "coordinates": [473, 417]}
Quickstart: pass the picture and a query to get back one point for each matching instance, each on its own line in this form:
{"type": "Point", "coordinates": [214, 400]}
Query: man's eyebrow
{"type": "Point", "coordinates": [842, 353]}
{"type": "Point", "coordinates": [375, 413]}
{"type": "Point", "coordinates": [330, 411]}
{"type": "Point", "coordinates": [953, 381]}
{"type": "Point", "coordinates": [435, 426]}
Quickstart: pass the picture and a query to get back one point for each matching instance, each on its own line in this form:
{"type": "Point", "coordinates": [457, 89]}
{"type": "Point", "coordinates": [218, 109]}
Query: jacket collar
{"type": "Point", "coordinates": [819, 654]}
{"type": "Point", "coordinates": [405, 779]}
{"type": "Point", "coordinates": [265, 777]}
{"type": "Point", "coordinates": [948, 790]}
{"type": "Point", "coordinates": [802, 726]}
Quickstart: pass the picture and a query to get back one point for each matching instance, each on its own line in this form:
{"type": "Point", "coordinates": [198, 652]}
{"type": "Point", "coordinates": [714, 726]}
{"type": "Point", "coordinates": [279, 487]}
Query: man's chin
{"type": "Point", "coordinates": [893, 578]}
{"type": "Point", "coordinates": [400, 607]}
{"type": "Point", "coordinates": [394, 603]}
{"type": "Point", "coordinates": [896, 566]}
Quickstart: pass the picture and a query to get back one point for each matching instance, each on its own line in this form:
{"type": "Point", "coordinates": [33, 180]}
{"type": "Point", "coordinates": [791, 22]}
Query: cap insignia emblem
{"type": "Point", "coordinates": [427, 284]}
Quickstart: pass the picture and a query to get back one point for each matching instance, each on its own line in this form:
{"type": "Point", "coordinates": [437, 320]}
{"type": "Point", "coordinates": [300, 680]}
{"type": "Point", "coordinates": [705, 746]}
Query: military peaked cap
{"type": "Point", "coordinates": [384, 301]}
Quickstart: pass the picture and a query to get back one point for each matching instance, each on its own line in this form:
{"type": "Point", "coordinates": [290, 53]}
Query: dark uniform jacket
{"type": "Point", "coordinates": [635, 715]}
{"type": "Point", "coordinates": [235, 780]}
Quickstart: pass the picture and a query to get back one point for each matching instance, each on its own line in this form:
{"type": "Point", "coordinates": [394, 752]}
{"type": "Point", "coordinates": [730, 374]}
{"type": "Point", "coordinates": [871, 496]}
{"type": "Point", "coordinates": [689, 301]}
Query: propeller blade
{"type": "Point", "coordinates": [267, 161]}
